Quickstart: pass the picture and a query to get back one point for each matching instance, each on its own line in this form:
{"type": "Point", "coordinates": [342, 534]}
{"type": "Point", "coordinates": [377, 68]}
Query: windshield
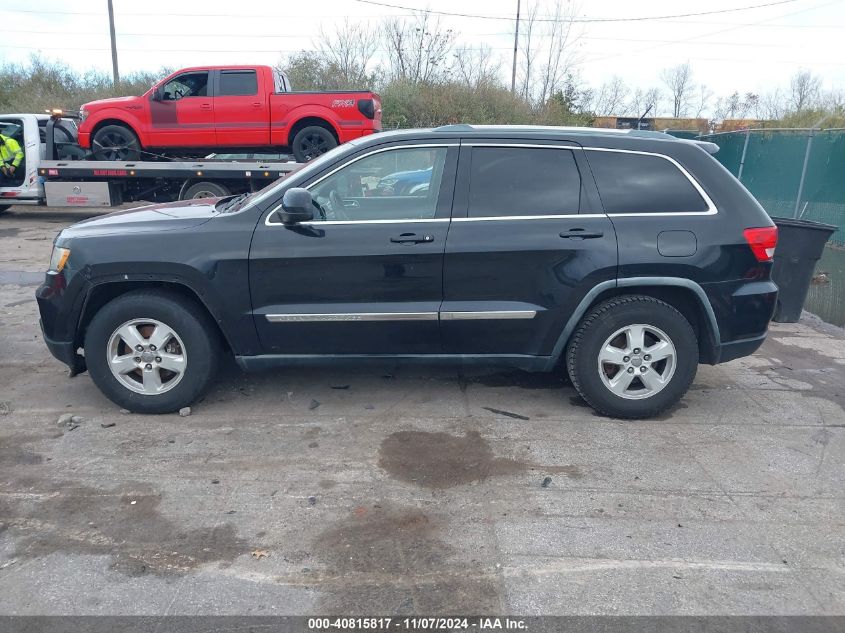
{"type": "Point", "coordinates": [310, 168]}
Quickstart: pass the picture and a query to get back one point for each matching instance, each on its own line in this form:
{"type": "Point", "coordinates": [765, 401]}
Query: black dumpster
{"type": "Point", "coordinates": [800, 245]}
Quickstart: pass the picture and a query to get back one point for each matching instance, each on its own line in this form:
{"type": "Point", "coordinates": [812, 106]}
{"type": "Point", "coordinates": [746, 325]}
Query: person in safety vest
{"type": "Point", "coordinates": [11, 156]}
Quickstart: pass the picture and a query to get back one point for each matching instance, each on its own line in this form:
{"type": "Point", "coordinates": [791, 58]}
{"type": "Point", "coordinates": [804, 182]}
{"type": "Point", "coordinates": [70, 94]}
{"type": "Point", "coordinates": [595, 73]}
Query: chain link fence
{"type": "Point", "coordinates": [794, 173]}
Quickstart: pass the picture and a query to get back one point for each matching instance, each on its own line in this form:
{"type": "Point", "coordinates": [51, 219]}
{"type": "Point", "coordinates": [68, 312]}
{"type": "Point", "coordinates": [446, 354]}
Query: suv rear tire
{"type": "Point", "coordinates": [632, 357]}
{"type": "Point", "coordinates": [151, 351]}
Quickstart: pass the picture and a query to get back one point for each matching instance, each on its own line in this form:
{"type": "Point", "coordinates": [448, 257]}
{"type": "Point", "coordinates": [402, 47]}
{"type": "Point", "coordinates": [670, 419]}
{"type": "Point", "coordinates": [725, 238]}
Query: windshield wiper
{"type": "Point", "coordinates": [229, 205]}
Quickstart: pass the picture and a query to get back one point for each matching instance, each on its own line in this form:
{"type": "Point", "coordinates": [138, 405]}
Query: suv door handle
{"type": "Point", "coordinates": [582, 234]}
{"type": "Point", "coordinates": [205, 106]}
{"type": "Point", "coordinates": [412, 238]}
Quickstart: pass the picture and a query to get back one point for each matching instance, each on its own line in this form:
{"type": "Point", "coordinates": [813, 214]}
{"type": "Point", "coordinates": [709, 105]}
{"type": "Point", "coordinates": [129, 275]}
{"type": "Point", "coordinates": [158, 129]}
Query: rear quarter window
{"type": "Point", "coordinates": [642, 183]}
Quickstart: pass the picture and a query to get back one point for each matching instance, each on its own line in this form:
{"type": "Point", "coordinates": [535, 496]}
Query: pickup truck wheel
{"type": "Point", "coordinates": [632, 357]}
{"type": "Point", "coordinates": [151, 352]}
{"type": "Point", "coordinates": [115, 142]}
{"type": "Point", "coordinates": [205, 190]}
{"type": "Point", "coordinates": [310, 142]}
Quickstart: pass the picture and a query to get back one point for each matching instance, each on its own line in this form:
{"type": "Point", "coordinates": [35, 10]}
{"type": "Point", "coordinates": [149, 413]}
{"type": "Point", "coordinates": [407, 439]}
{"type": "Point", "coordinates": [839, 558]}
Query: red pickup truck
{"type": "Point", "coordinates": [197, 110]}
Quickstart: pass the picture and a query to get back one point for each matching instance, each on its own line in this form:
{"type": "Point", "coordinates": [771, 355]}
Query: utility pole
{"type": "Point", "coordinates": [515, 45]}
{"type": "Point", "coordinates": [115, 74]}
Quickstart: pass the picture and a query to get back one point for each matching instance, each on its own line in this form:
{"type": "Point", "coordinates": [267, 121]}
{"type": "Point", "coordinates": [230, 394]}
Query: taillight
{"type": "Point", "coordinates": [367, 107]}
{"type": "Point", "coordinates": [762, 242]}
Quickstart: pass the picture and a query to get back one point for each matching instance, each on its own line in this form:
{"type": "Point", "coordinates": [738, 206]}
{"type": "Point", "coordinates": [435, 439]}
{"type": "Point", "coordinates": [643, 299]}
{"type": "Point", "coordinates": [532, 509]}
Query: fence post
{"type": "Point", "coordinates": [804, 171]}
{"type": "Point", "coordinates": [744, 151]}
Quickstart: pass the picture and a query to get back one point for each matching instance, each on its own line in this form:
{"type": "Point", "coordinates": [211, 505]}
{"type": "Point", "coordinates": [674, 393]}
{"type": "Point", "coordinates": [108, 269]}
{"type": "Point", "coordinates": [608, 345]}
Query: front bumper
{"type": "Point", "coordinates": [65, 351]}
{"type": "Point", "coordinates": [60, 306]}
{"type": "Point", "coordinates": [84, 140]}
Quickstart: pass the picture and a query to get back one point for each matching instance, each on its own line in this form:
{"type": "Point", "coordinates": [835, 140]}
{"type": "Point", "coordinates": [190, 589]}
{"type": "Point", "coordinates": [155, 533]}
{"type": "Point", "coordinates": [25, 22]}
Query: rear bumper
{"type": "Point", "coordinates": [738, 349]}
{"type": "Point", "coordinates": [743, 310]}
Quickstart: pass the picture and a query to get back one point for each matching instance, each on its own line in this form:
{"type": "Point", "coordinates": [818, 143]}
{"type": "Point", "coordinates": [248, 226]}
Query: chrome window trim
{"type": "Point", "coordinates": [493, 218]}
{"type": "Point", "coordinates": [344, 165]}
{"type": "Point", "coordinates": [504, 144]}
{"type": "Point", "coordinates": [332, 222]}
{"type": "Point", "coordinates": [351, 316]}
{"type": "Point", "coordinates": [711, 208]}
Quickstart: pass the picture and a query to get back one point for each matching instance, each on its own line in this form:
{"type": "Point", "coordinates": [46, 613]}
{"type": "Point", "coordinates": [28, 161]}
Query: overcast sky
{"type": "Point", "coordinates": [751, 50]}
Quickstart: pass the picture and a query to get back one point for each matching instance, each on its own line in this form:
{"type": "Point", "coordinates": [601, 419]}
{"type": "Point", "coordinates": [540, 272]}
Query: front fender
{"type": "Point", "coordinates": [231, 312]}
{"type": "Point", "coordinates": [112, 115]}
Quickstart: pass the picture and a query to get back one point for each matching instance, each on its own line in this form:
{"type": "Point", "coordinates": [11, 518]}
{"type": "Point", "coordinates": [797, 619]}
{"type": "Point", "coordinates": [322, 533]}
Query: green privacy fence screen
{"type": "Point", "coordinates": [771, 163]}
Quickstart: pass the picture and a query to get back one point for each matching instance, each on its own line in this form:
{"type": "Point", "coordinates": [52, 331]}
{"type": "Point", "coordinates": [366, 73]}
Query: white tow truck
{"type": "Point", "coordinates": [56, 173]}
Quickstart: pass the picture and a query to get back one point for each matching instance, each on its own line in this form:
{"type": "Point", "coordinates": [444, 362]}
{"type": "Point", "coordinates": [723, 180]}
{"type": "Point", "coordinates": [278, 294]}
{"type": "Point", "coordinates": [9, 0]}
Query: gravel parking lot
{"type": "Point", "coordinates": [397, 489]}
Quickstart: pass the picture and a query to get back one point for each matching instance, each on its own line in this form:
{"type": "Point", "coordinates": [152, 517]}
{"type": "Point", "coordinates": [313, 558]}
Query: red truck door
{"type": "Point", "coordinates": [184, 114]}
{"type": "Point", "coordinates": [241, 108]}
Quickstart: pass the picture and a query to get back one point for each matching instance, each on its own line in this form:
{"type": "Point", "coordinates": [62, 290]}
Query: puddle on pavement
{"type": "Point", "coordinates": [440, 460]}
{"type": "Point", "coordinates": [399, 560]}
{"type": "Point", "coordinates": [827, 300]}
{"type": "Point", "coordinates": [806, 365]}
{"type": "Point", "coordinates": [124, 523]}
{"type": "Point", "coordinates": [9, 231]}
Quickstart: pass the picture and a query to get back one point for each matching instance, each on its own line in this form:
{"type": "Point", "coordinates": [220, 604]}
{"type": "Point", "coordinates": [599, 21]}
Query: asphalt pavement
{"type": "Point", "coordinates": [397, 489]}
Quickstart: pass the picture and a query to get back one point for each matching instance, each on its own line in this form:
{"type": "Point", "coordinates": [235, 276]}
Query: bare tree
{"type": "Point", "coordinates": [419, 49]}
{"type": "Point", "coordinates": [644, 100]}
{"type": "Point", "coordinates": [349, 51]}
{"type": "Point", "coordinates": [772, 105]}
{"type": "Point", "coordinates": [804, 91]}
{"type": "Point", "coordinates": [476, 67]}
{"type": "Point", "coordinates": [702, 100]}
{"type": "Point", "coordinates": [611, 96]}
{"type": "Point", "coordinates": [547, 49]}
{"type": "Point", "coordinates": [678, 80]}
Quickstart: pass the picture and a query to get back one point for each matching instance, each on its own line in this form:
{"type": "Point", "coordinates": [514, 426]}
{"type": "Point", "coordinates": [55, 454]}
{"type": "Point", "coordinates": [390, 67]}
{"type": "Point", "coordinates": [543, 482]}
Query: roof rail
{"type": "Point", "coordinates": [454, 127]}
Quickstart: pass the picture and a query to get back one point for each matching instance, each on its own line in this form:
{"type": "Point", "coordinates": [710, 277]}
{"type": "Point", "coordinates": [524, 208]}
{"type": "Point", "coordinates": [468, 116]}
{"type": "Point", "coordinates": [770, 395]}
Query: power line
{"type": "Point", "coordinates": [415, 11]}
{"type": "Point", "coordinates": [193, 15]}
{"type": "Point", "coordinates": [575, 19]}
{"type": "Point", "coordinates": [262, 51]}
{"type": "Point", "coordinates": [253, 36]}
{"type": "Point", "coordinates": [703, 35]}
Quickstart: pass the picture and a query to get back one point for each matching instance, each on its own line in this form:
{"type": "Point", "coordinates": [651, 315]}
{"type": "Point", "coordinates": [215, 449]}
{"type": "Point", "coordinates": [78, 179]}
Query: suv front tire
{"type": "Point", "coordinates": [632, 357]}
{"type": "Point", "coordinates": [151, 352]}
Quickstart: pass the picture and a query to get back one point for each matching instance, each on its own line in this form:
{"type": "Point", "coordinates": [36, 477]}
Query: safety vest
{"type": "Point", "coordinates": [10, 152]}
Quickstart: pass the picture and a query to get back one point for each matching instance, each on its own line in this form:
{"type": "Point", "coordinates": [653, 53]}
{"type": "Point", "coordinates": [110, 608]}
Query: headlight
{"type": "Point", "coordinates": [58, 259]}
{"type": "Point", "coordinates": [83, 114]}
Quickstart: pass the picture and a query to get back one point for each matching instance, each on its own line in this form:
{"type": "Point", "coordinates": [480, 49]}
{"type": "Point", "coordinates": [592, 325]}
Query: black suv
{"type": "Point", "coordinates": [625, 257]}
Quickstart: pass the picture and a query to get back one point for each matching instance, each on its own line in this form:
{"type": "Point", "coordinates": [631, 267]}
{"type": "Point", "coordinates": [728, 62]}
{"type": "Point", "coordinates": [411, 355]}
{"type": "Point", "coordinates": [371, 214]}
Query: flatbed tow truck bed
{"type": "Point", "coordinates": [48, 180]}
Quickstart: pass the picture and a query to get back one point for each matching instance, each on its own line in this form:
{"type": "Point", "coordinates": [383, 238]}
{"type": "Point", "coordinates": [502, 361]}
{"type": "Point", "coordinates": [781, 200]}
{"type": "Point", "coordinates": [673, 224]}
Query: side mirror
{"type": "Point", "coordinates": [157, 94]}
{"type": "Point", "coordinates": [297, 206]}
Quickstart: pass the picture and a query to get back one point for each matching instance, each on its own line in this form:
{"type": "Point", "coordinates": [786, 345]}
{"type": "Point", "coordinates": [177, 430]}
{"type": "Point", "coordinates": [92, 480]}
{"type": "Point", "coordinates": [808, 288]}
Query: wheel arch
{"type": "Point", "coordinates": [308, 120]}
{"type": "Point", "coordinates": [113, 121]}
{"type": "Point", "coordinates": [684, 295]}
{"type": "Point", "coordinates": [102, 293]}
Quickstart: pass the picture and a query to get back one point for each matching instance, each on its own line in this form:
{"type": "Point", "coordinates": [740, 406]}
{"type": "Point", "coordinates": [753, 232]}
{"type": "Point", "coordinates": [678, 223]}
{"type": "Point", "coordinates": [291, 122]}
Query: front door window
{"type": "Point", "coordinates": [193, 84]}
{"type": "Point", "coordinates": [399, 184]}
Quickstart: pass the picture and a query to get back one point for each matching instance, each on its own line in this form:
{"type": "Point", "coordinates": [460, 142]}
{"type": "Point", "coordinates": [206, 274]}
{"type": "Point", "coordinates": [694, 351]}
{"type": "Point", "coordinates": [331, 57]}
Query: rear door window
{"type": "Point", "coordinates": [643, 183]}
{"type": "Point", "coordinates": [238, 83]}
{"type": "Point", "coordinates": [523, 181]}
